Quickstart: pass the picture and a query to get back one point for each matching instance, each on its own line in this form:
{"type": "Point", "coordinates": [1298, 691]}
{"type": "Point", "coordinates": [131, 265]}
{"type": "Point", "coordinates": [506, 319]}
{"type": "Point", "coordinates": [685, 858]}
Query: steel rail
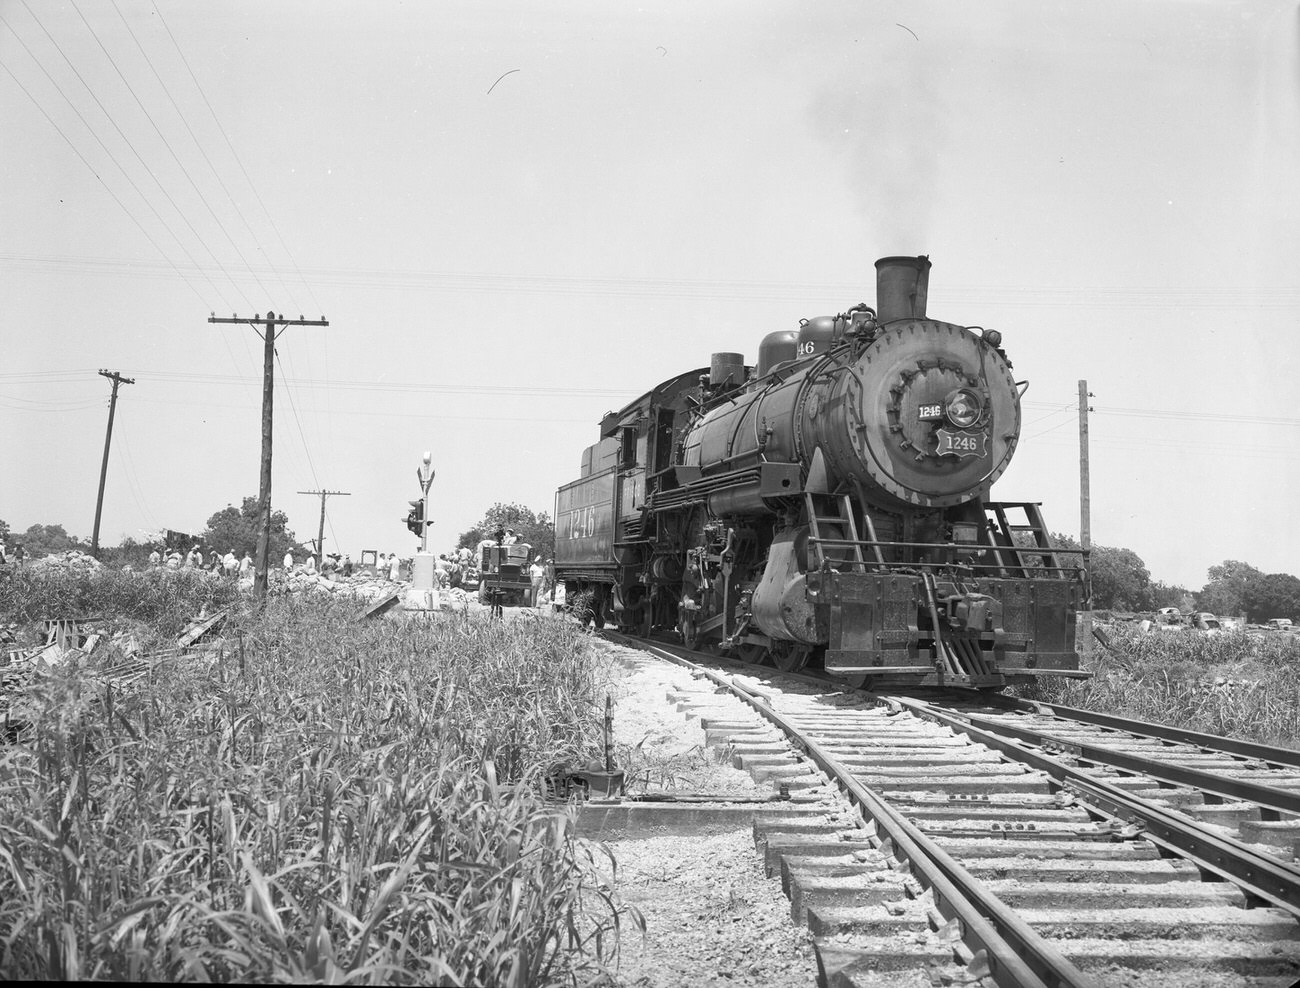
{"type": "Point", "coordinates": [1264, 877]}
{"type": "Point", "coordinates": [1268, 797]}
{"type": "Point", "coordinates": [1211, 742]}
{"type": "Point", "coordinates": [1017, 957]}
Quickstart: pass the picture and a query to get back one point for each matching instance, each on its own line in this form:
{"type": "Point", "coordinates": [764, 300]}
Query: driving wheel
{"type": "Point", "coordinates": [789, 656]}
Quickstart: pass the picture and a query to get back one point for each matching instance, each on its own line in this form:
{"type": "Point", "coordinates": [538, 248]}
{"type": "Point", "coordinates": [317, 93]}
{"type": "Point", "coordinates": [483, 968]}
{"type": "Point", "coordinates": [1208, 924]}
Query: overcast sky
{"type": "Point", "coordinates": [518, 216]}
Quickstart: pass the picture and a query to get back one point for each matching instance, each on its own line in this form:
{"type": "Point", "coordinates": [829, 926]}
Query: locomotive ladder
{"type": "Point", "coordinates": [1023, 559]}
{"type": "Point", "coordinates": [826, 511]}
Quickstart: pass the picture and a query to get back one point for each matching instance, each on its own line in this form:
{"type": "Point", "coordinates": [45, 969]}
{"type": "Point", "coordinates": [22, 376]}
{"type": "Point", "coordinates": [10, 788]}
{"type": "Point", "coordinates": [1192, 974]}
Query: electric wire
{"type": "Point", "coordinates": [184, 171]}
{"type": "Point", "coordinates": [294, 408]}
{"type": "Point", "coordinates": [161, 136]}
{"type": "Point", "coordinates": [203, 153]}
{"type": "Point", "coordinates": [107, 188]}
{"type": "Point", "coordinates": [133, 482]}
{"type": "Point", "coordinates": [167, 195]}
{"type": "Point", "coordinates": [238, 160]}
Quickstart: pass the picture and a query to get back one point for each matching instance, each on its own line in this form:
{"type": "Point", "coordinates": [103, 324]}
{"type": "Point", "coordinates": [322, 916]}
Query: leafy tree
{"type": "Point", "coordinates": [1271, 595]}
{"type": "Point", "coordinates": [130, 552]}
{"type": "Point", "coordinates": [4, 530]}
{"type": "Point", "coordinates": [1167, 595]}
{"type": "Point", "coordinates": [236, 529]}
{"type": "Point", "coordinates": [536, 529]}
{"type": "Point", "coordinates": [1225, 594]}
{"type": "Point", "coordinates": [46, 540]}
{"type": "Point", "coordinates": [1120, 579]}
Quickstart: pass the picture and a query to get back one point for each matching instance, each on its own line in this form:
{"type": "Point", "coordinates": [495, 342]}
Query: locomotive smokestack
{"type": "Point", "coordinates": [901, 287]}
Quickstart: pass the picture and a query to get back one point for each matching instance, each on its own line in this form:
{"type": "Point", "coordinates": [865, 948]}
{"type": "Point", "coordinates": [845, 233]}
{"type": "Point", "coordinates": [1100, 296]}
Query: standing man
{"type": "Point", "coordinates": [537, 572]}
{"type": "Point", "coordinates": [19, 554]}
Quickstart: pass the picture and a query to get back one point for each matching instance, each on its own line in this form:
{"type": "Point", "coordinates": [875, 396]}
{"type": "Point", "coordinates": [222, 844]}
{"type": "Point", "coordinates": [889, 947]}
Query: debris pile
{"type": "Point", "coordinates": [367, 588]}
{"type": "Point", "coordinates": [72, 561]}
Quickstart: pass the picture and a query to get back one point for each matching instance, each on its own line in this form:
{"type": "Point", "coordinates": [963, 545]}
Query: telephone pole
{"type": "Point", "coordinates": [117, 380]}
{"type": "Point", "coordinates": [261, 564]}
{"type": "Point", "coordinates": [320, 538]}
{"type": "Point", "coordinates": [1085, 514]}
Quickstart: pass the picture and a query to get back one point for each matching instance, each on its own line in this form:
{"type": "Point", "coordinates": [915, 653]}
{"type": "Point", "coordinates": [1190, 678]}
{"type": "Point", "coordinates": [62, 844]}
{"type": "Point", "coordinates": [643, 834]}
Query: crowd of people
{"type": "Point", "coordinates": [387, 565]}
{"type": "Point", "coordinates": [220, 564]}
{"type": "Point", "coordinates": [458, 568]}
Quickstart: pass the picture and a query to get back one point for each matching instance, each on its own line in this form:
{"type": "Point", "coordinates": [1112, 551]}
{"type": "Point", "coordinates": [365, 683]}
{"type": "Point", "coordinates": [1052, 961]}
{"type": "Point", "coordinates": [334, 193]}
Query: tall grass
{"type": "Point", "coordinates": [161, 598]}
{"type": "Point", "coordinates": [1237, 684]}
{"type": "Point", "coordinates": [326, 801]}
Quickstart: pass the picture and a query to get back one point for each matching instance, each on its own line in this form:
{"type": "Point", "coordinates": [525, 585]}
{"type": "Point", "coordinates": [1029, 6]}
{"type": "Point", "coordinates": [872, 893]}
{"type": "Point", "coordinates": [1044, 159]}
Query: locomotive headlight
{"type": "Point", "coordinates": [964, 408]}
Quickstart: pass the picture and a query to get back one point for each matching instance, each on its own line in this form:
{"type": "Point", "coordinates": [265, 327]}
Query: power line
{"type": "Point", "coordinates": [91, 168]}
{"type": "Point", "coordinates": [268, 390]}
{"type": "Point", "coordinates": [166, 143]}
{"type": "Point", "coordinates": [809, 293]}
{"type": "Point", "coordinates": [117, 380]}
{"type": "Point", "coordinates": [203, 153]}
{"type": "Point", "coordinates": [235, 154]}
{"type": "Point", "coordinates": [301, 435]}
{"type": "Point", "coordinates": [167, 195]}
{"type": "Point", "coordinates": [320, 538]}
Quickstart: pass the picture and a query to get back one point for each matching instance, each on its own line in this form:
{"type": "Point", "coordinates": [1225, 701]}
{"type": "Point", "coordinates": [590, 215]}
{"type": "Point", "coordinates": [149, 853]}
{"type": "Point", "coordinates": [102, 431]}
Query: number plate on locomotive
{"type": "Point", "coordinates": [962, 443]}
{"type": "Point", "coordinates": [929, 413]}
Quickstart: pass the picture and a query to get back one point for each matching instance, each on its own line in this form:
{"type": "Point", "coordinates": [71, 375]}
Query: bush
{"type": "Point", "coordinates": [326, 801]}
{"type": "Point", "coordinates": [1236, 683]}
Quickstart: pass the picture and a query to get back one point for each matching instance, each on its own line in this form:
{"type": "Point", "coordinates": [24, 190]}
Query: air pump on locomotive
{"type": "Point", "coordinates": [831, 502]}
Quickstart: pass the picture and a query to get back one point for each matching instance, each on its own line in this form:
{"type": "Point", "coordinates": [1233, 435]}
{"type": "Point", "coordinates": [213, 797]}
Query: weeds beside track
{"type": "Point", "coordinates": [326, 801]}
{"type": "Point", "coordinates": [1234, 684]}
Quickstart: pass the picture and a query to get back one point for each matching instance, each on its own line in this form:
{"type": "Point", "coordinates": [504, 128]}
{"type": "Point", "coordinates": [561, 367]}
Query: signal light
{"type": "Point", "coordinates": [415, 517]}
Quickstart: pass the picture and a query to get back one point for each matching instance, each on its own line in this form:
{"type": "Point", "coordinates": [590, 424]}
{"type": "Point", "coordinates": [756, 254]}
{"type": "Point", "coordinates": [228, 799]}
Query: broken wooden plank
{"type": "Point", "coordinates": [198, 631]}
{"type": "Point", "coordinates": [382, 605]}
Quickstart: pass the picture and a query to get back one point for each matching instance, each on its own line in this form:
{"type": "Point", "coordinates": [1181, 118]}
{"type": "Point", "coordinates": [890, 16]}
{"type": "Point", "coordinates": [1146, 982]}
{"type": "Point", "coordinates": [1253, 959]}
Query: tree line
{"type": "Point", "coordinates": [1120, 579]}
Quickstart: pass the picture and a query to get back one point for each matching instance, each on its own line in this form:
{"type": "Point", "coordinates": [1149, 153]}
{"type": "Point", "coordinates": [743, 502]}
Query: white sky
{"type": "Point", "coordinates": [1111, 185]}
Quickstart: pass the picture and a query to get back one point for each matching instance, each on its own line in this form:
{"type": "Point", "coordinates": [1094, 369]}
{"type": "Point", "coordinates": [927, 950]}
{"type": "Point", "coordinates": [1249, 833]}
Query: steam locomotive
{"type": "Point", "coordinates": [830, 504]}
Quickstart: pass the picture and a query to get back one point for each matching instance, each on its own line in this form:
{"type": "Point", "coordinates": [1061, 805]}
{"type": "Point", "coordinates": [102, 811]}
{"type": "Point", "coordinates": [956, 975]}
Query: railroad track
{"type": "Point", "coordinates": [1004, 843]}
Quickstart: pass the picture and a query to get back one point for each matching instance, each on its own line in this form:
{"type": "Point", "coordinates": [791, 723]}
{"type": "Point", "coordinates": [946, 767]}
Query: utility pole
{"type": "Point", "coordinates": [261, 564]}
{"type": "Point", "coordinates": [320, 538]}
{"type": "Point", "coordinates": [117, 380]}
{"type": "Point", "coordinates": [1085, 514]}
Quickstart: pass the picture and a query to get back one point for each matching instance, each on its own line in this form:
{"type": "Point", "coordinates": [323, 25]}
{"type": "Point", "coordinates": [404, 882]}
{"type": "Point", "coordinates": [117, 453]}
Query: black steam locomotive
{"type": "Point", "coordinates": [830, 503]}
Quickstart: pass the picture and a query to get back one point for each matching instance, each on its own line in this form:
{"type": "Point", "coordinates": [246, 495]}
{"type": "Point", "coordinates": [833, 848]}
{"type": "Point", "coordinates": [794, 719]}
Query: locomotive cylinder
{"type": "Point", "coordinates": [902, 284]}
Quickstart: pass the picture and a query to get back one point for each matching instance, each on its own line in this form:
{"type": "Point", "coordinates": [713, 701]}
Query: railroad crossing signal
{"type": "Point", "coordinates": [415, 520]}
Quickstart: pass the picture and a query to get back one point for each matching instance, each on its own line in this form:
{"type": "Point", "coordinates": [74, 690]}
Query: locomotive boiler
{"type": "Point", "coordinates": [830, 503]}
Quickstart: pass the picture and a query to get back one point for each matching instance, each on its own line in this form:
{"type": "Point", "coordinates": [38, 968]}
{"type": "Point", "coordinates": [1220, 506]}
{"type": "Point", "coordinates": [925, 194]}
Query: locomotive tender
{"type": "Point", "coordinates": [830, 503]}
